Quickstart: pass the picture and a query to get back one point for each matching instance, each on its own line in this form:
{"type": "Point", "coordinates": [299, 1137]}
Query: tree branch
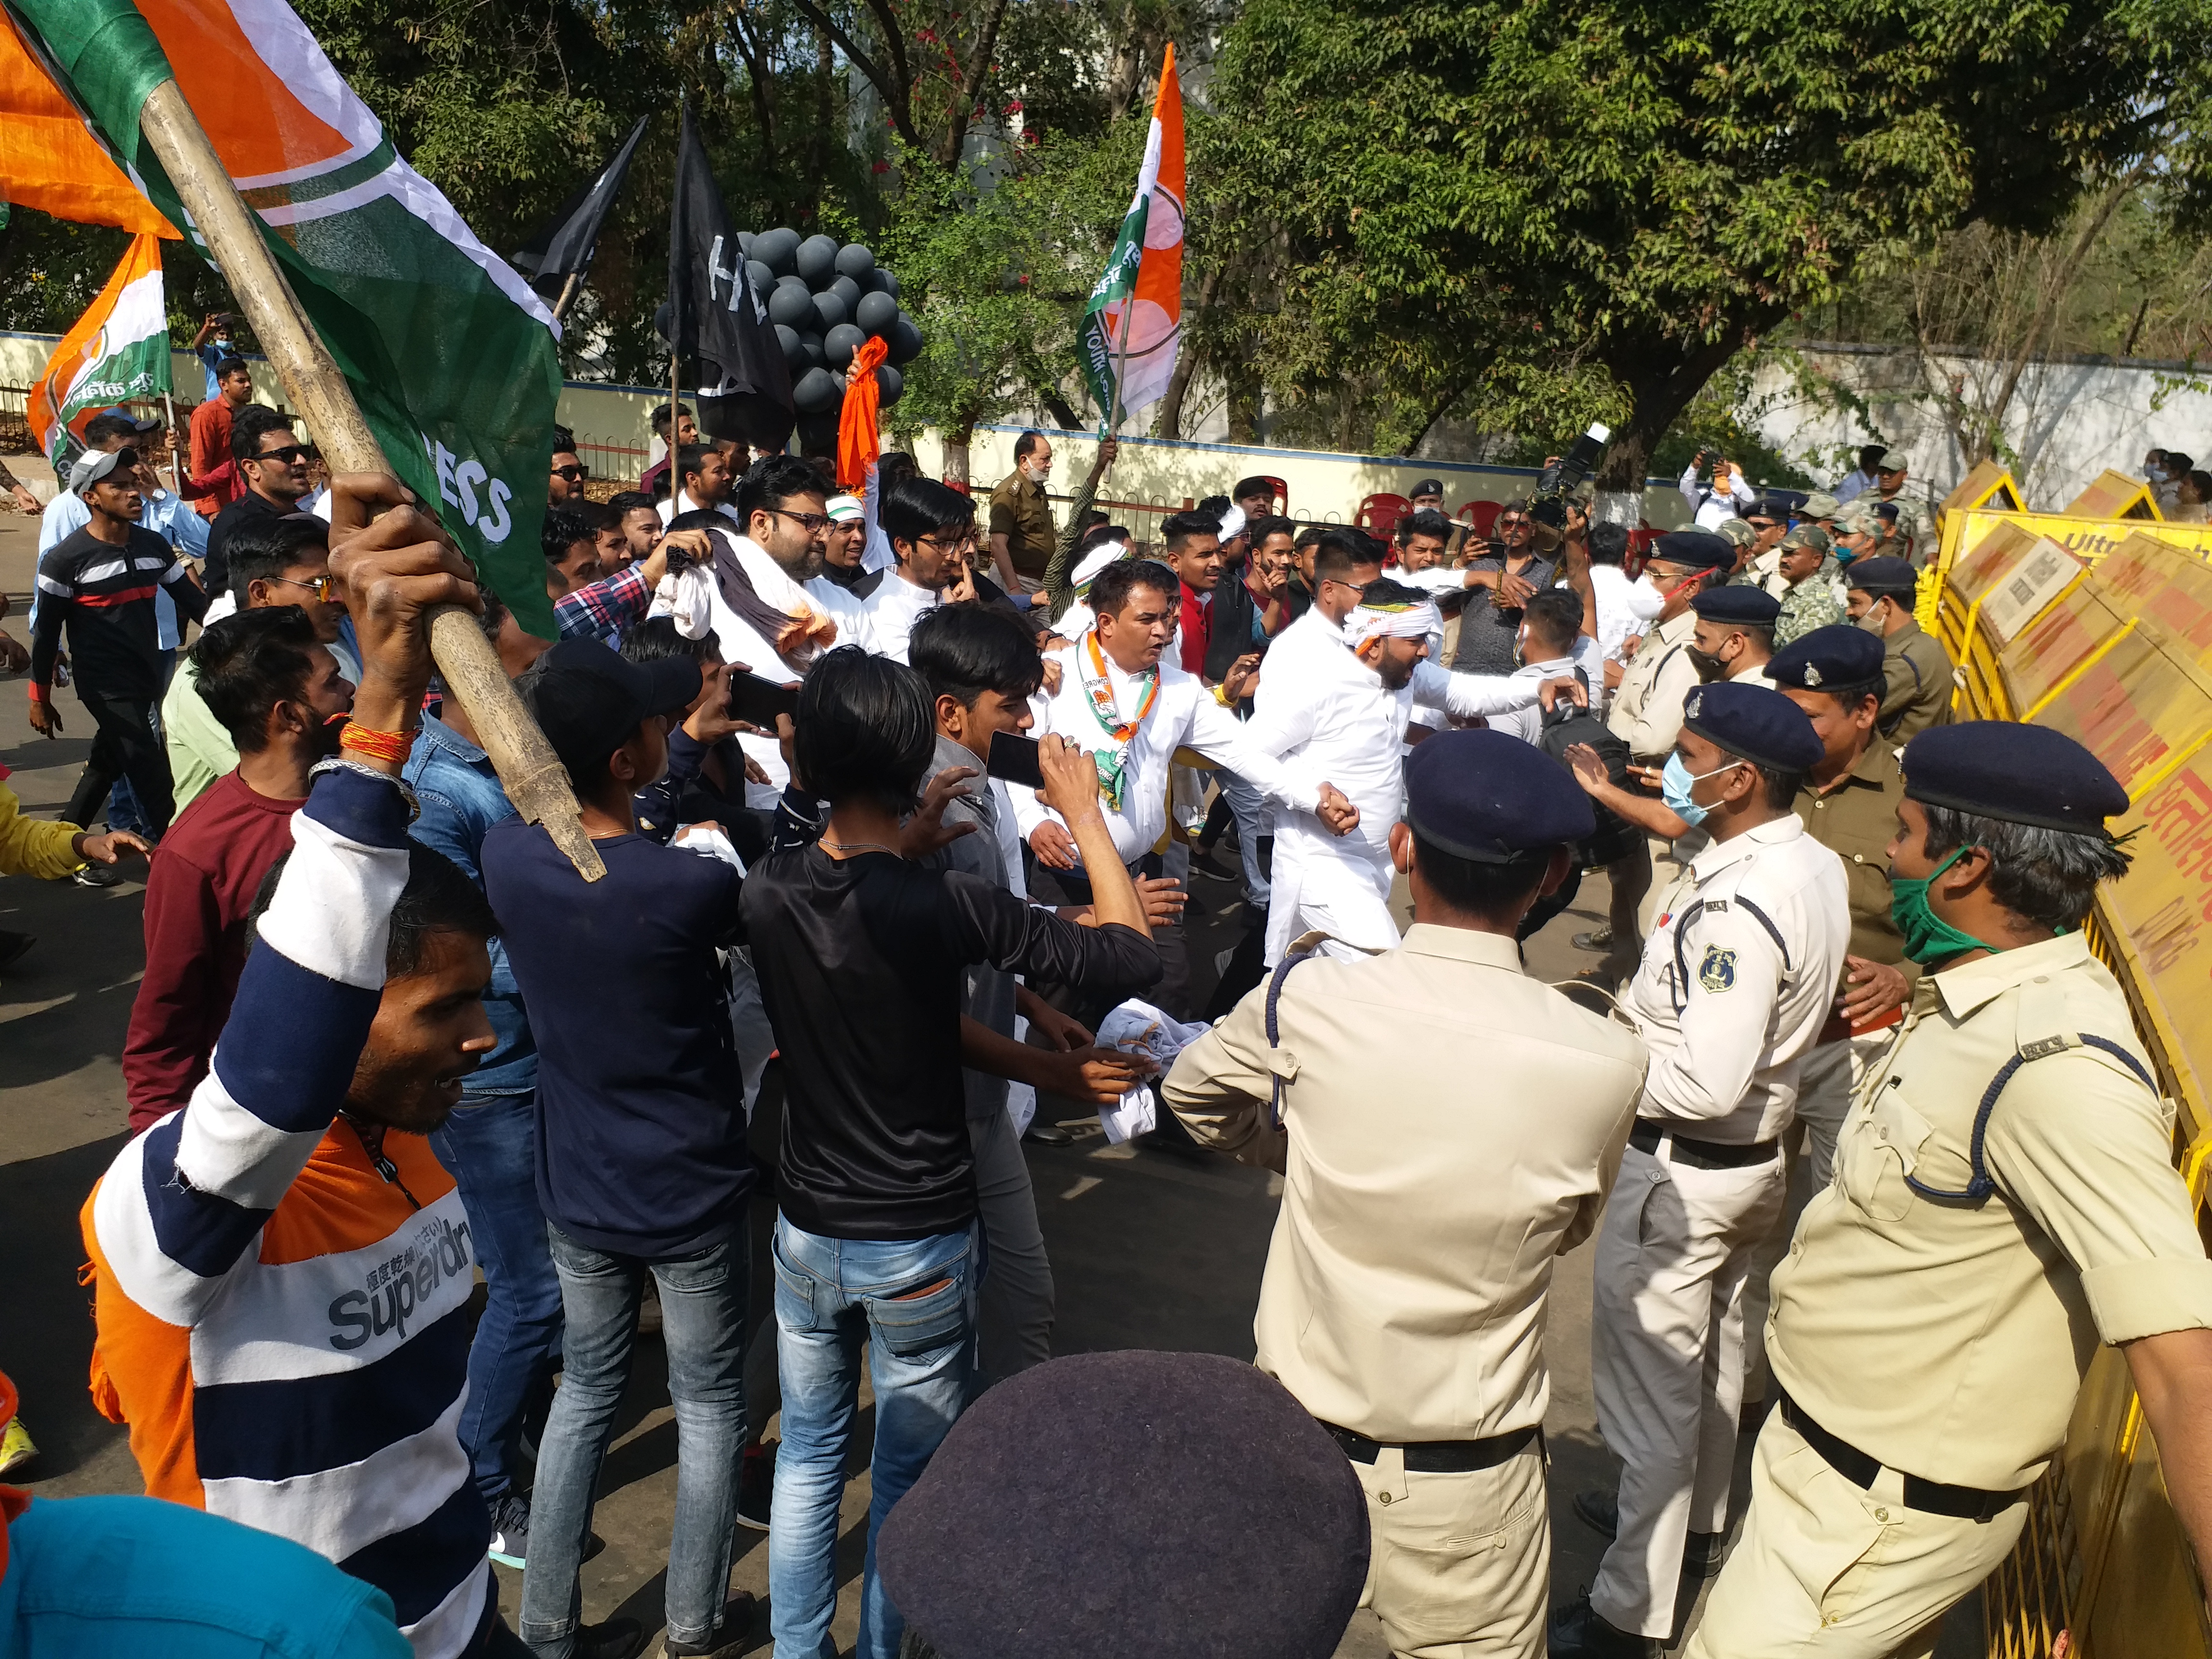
{"type": "Point", "coordinates": [749, 48]}
{"type": "Point", "coordinates": [971, 85]}
{"type": "Point", "coordinates": [894, 92]}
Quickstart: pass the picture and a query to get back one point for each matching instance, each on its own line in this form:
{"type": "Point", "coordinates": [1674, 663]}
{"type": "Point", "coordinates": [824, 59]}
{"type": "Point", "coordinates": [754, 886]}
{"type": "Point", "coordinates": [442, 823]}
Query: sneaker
{"type": "Point", "coordinates": [99, 875]}
{"type": "Point", "coordinates": [510, 1532]}
{"type": "Point", "coordinates": [13, 947]}
{"type": "Point", "coordinates": [732, 1632]}
{"type": "Point", "coordinates": [756, 1481]}
{"type": "Point", "coordinates": [16, 1447]}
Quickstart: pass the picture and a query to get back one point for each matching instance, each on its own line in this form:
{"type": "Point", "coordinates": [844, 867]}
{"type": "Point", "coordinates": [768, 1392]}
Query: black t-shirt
{"type": "Point", "coordinates": [860, 963]}
{"type": "Point", "coordinates": [103, 596]}
{"type": "Point", "coordinates": [249, 508]}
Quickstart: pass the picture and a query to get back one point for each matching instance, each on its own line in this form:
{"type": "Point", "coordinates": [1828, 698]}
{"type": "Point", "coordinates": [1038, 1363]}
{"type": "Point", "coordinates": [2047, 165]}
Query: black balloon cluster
{"type": "Point", "coordinates": [825, 302]}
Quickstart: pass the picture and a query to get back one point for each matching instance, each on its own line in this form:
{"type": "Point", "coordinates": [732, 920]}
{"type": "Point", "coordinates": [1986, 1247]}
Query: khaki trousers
{"type": "Point", "coordinates": [1667, 1362]}
{"type": "Point", "coordinates": [1458, 1565]}
{"type": "Point", "coordinates": [1826, 1571]}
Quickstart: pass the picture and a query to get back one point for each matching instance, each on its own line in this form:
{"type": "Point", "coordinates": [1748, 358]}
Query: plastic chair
{"type": "Point", "coordinates": [1379, 513]}
{"type": "Point", "coordinates": [1481, 516]}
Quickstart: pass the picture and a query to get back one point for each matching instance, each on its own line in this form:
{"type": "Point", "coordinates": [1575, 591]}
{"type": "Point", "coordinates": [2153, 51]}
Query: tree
{"type": "Point", "coordinates": [1519, 208]}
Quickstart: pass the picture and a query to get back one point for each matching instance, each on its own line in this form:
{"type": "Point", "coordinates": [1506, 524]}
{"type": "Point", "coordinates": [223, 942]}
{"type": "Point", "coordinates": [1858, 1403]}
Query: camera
{"type": "Point", "coordinates": [1547, 502]}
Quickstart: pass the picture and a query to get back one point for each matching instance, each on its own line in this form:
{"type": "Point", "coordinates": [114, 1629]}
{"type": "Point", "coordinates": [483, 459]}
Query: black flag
{"type": "Point", "coordinates": [714, 316]}
{"type": "Point", "coordinates": [562, 247]}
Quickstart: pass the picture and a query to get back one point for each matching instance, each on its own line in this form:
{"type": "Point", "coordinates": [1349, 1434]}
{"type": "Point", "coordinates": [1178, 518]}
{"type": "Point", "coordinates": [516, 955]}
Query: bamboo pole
{"type": "Point", "coordinates": [176, 463]}
{"type": "Point", "coordinates": [569, 289]}
{"type": "Point", "coordinates": [528, 769]}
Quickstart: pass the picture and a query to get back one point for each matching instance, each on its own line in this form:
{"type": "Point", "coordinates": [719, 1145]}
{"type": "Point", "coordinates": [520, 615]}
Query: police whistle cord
{"type": "Point", "coordinates": [528, 769]}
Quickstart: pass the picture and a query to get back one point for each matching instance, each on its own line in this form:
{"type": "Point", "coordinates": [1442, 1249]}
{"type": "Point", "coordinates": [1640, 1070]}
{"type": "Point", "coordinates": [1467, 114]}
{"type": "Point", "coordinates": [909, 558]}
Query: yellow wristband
{"type": "Point", "coordinates": [1221, 695]}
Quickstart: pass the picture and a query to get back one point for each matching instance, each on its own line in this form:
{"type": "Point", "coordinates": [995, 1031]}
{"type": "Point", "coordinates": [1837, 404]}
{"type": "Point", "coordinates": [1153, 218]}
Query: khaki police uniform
{"type": "Point", "coordinates": [1735, 985]}
{"type": "Point", "coordinates": [1021, 512]}
{"type": "Point", "coordinates": [1936, 1347]}
{"type": "Point", "coordinates": [1917, 682]}
{"type": "Point", "coordinates": [1404, 1298]}
{"type": "Point", "coordinates": [1647, 716]}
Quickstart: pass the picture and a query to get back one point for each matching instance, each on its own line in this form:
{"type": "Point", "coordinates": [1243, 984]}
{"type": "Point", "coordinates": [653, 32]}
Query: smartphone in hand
{"type": "Point", "coordinates": [1014, 758]}
{"type": "Point", "coordinates": [758, 702]}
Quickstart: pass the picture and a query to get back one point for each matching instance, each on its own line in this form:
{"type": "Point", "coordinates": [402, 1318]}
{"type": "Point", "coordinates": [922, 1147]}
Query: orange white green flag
{"type": "Point", "coordinates": [119, 350]}
{"type": "Point", "coordinates": [1132, 326]}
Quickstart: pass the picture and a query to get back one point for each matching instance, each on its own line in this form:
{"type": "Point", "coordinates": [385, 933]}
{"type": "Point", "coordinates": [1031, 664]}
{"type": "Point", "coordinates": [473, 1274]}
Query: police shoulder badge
{"type": "Point", "coordinates": [1717, 971]}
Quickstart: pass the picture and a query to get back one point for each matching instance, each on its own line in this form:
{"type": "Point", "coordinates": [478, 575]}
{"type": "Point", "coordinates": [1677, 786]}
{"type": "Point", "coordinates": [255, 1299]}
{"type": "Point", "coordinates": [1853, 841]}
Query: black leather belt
{"type": "Point", "coordinates": [1440, 1456]}
{"type": "Point", "coordinates": [1932, 1497]}
{"type": "Point", "coordinates": [1700, 1154]}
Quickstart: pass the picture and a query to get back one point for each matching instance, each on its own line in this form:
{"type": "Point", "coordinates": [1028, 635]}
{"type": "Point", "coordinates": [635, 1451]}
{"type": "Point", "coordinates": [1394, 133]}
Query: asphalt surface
{"type": "Point", "coordinates": [1149, 1249]}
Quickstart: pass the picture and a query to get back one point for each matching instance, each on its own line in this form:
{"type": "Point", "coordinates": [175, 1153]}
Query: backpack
{"type": "Point", "coordinates": [1565, 726]}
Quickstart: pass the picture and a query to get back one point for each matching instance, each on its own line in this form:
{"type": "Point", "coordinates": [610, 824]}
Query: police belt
{"type": "Point", "coordinates": [1860, 1469]}
{"type": "Point", "coordinates": [1439, 1456]}
{"type": "Point", "coordinates": [1699, 1154]}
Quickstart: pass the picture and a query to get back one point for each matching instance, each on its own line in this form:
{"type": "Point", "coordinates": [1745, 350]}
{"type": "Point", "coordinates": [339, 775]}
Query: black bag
{"type": "Point", "coordinates": [1566, 726]}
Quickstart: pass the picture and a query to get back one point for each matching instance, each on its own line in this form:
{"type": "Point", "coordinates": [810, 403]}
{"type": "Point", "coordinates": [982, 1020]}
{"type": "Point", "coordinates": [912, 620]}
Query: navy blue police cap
{"type": "Point", "coordinates": [2021, 773]}
{"type": "Point", "coordinates": [1740, 604]}
{"type": "Point", "coordinates": [1181, 1454]}
{"type": "Point", "coordinates": [1763, 726]}
{"type": "Point", "coordinates": [1693, 549]}
{"type": "Point", "coordinates": [1839, 658]}
{"type": "Point", "coordinates": [1490, 797]}
{"type": "Point", "coordinates": [1883, 576]}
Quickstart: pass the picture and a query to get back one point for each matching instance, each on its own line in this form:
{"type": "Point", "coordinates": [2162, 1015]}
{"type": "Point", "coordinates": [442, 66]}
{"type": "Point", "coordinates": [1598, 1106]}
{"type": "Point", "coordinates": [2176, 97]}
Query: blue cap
{"type": "Point", "coordinates": [1884, 576]}
{"type": "Point", "coordinates": [1490, 797]}
{"type": "Point", "coordinates": [2021, 773]}
{"type": "Point", "coordinates": [1693, 549]}
{"type": "Point", "coordinates": [1738, 603]}
{"type": "Point", "coordinates": [1762, 727]}
{"type": "Point", "coordinates": [1838, 658]}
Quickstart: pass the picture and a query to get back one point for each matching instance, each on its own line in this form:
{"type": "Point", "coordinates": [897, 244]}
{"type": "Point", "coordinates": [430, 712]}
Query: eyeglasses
{"type": "Point", "coordinates": [814, 523]}
{"type": "Point", "coordinates": [1513, 524]}
{"type": "Point", "coordinates": [286, 454]}
{"type": "Point", "coordinates": [324, 588]}
{"type": "Point", "coordinates": [573, 474]}
{"type": "Point", "coordinates": [964, 539]}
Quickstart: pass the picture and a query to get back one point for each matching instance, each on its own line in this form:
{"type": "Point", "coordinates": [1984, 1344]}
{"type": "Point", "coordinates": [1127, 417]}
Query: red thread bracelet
{"type": "Point", "coordinates": [390, 747]}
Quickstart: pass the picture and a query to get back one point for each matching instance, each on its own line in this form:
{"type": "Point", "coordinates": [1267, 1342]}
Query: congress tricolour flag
{"type": "Point", "coordinates": [452, 357]}
{"type": "Point", "coordinates": [1144, 274]}
{"type": "Point", "coordinates": [119, 349]}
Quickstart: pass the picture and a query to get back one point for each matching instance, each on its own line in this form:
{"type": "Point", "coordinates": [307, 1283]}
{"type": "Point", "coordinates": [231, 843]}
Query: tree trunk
{"type": "Point", "coordinates": [1241, 383]}
{"type": "Point", "coordinates": [756, 62]}
{"type": "Point", "coordinates": [956, 456]}
{"type": "Point", "coordinates": [1169, 422]}
{"type": "Point", "coordinates": [972, 77]}
{"type": "Point", "coordinates": [817, 150]}
{"type": "Point", "coordinates": [1659, 388]}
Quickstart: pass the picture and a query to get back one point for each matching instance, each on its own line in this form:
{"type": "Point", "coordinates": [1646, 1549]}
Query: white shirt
{"type": "Point", "coordinates": [893, 610]}
{"type": "Point", "coordinates": [681, 502]}
{"type": "Point", "coordinates": [1728, 1011]}
{"type": "Point", "coordinates": [1710, 508]}
{"type": "Point", "coordinates": [1624, 607]}
{"type": "Point", "coordinates": [1184, 713]}
{"type": "Point", "coordinates": [876, 553]}
{"type": "Point", "coordinates": [1527, 724]}
{"type": "Point", "coordinates": [850, 612]}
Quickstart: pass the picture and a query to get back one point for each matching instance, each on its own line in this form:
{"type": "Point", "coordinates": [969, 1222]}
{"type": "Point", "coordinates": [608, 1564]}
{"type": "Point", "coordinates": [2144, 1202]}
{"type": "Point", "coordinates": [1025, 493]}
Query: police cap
{"type": "Point", "coordinates": [2021, 773]}
{"type": "Point", "coordinates": [1179, 1452]}
{"type": "Point", "coordinates": [1763, 726]}
{"type": "Point", "coordinates": [1694, 550]}
{"type": "Point", "coordinates": [1490, 797]}
{"type": "Point", "coordinates": [1812, 535]}
{"type": "Point", "coordinates": [1735, 532]}
{"type": "Point", "coordinates": [1819, 505]}
{"type": "Point", "coordinates": [1839, 659]}
{"type": "Point", "coordinates": [1738, 605]}
{"type": "Point", "coordinates": [1884, 576]}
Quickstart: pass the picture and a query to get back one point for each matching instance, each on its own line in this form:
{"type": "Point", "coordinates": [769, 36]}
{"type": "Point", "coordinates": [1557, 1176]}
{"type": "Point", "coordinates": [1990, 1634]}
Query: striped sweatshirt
{"type": "Point", "coordinates": [103, 595]}
{"type": "Point", "coordinates": [285, 1330]}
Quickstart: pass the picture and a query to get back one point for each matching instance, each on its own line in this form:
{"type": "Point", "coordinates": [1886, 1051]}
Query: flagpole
{"type": "Point", "coordinates": [567, 294]}
{"type": "Point", "coordinates": [528, 768]}
{"type": "Point", "coordinates": [176, 465]}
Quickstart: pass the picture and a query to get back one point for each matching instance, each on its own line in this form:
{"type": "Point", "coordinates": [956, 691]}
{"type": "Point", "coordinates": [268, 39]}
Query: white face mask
{"type": "Point", "coordinates": [1037, 472]}
{"type": "Point", "coordinates": [2155, 474]}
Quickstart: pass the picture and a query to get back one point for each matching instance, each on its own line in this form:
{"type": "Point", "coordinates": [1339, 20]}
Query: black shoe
{"type": "Point", "coordinates": [1702, 1556]}
{"type": "Point", "coordinates": [1599, 1511]}
{"type": "Point", "coordinates": [755, 1483]}
{"type": "Point", "coordinates": [732, 1630]}
{"type": "Point", "coordinates": [510, 1533]}
{"type": "Point", "coordinates": [1047, 1135]}
{"type": "Point", "coordinates": [617, 1638]}
{"type": "Point", "coordinates": [1579, 1631]}
{"type": "Point", "coordinates": [13, 947]}
{"type": "Point", "coordinates": [99, 875]}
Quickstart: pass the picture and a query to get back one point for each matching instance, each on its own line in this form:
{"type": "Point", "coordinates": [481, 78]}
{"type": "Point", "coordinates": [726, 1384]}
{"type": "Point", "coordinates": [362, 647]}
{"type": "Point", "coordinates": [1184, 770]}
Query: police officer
{"type": "Point", "coordinates": [1914, 539]}
{"type": "Point", "coordinates": [1734, 633]}
{"type": "Point", "coordinates": [2010, 1162]}
{"type": "Point", "coordinates": [1736, 981]}
{"type": "Point", "coordinates": [1878, 598]}
{"type": "Point", "coordinates": [1405, 1290]}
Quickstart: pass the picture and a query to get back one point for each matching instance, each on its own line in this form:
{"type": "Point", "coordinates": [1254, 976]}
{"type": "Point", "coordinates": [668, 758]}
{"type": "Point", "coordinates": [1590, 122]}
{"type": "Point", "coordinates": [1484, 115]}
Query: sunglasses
{"type": "Point", "coordinates": [286, 454]}
{"type": "Point", "coordinates": [814, 523]}
{"type": "Point", "coordinates": [324, 588]}
{"type": "Point", "coordinates": [1512, 524]}
{"type": "Point", "coordinates": [571, 473]}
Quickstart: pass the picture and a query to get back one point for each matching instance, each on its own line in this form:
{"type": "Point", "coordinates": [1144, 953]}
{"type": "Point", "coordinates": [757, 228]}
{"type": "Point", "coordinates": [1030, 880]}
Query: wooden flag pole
{"type": "Point", "coordinates": [176, 461]}
{"type": "Point", "coordinates": [569, 289]}
{"type": "Point", "coordinates": [528, 769]}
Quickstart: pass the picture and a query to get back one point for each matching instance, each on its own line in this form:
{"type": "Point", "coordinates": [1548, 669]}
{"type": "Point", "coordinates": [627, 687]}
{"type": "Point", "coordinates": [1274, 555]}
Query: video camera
{"type": "Point", "coordinates": [1547, 502]}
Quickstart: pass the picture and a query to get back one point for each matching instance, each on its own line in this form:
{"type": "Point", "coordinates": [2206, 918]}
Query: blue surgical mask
{"type": "Point", "coordinates": [1674, 781]}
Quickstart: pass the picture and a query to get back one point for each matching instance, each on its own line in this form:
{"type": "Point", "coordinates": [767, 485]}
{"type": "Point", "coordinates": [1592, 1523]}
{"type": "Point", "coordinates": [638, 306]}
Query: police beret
{"type": "Point", "coordinates": [2021, 773]}
{"type": "Point", "coordinates": [1746, 606]}
{"type": "Point", "coordinates": [1022, 1541]}
{"type": "Point", "coordinates": [1884, 576]}
{"type": "Point", "coordinates": [1693, 549]}
{"type": "Point", "coordinates": [1763, 726]}
{"type": "Point", "coordinates": [1764, 506]}
{"type": "Point", "coordinates": [1838, 658]}
{"type": "Point", "coordinates": [1819, 505]}
{"type": "Point", "coordinates": [1490, 797]}
{"type": "Point", "coordinates": [1812, 535]}
{"type": "Point", "coordinates": [1735, 532]}
{"type": "Point", "coordinates": [1426, 487]}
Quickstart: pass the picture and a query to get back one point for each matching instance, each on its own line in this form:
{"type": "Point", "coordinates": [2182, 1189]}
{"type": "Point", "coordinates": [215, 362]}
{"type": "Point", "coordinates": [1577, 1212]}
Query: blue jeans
{"type": "Point", "coordinates": [490, 1147]}
{"type": "Point", "coordinates": [914, 1301]}
{"type": "Point", "coordinates": [1249, 808]}
{"type": "Point", "coordinates": [702, 1311]}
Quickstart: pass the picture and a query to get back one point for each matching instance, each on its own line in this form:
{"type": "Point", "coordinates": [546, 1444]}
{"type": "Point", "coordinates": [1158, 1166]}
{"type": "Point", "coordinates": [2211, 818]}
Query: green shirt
{"type": "Point", "coordinates": [200, 750]}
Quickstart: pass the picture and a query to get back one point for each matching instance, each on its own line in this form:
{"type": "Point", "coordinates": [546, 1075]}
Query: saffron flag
{"type": "Point", "coordinates": [453, 359]}
{"type": "Point", "coordinates": [48, 159]}
{"type": "Point", "coordinates": [1132, 326]}
{"type": "Point", "coordinates": [119, 349]}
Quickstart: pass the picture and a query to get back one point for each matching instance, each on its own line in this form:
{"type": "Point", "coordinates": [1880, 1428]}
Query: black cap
{"type": "Point", "coordinates": [1023, 1540]}
{"type": "Point", "coordinates": [1883, 576]}
{"type": "Point", "coordinates": [588, 698]}
{"type": "Point", "coordinates": [1693, 549]}
{"type": "Point", "coordinates": [1839, 658]}
{"type": "Point", "coordinates": [1490, 797]}
{"type": "Point", "coordinates": [1763, 726]}
{"type": "Point", "coordinates": [1426, 487]}
{"type": "Point", "coordinates": [2021, 773]}
{"type": "Point", "coordinates": [1738, 602]}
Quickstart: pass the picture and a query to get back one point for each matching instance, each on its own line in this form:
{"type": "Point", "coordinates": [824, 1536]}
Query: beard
{"type": "Point", "coordinates": [397, 1092]}
{"type": "Point", "coordinates": [801, 562]}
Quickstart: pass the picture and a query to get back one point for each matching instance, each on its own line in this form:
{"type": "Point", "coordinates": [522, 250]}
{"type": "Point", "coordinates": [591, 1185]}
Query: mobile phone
{"type": "Point", "coordinates": [759, 702]}
{"type": "Point", "coordinates": [1014, 758]}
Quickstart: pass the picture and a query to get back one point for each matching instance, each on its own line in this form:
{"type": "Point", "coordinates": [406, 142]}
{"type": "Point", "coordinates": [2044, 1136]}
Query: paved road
{"type": "Point", "coordinates": [1148, 1250]}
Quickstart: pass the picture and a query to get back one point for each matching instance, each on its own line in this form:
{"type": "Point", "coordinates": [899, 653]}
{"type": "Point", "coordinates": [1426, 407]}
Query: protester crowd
{"type": "Point", "coordinates": [900, 794]}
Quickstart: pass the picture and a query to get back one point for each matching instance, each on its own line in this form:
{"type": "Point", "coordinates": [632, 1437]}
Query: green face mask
{"type": "Point", "coordinates": [1927, 938]}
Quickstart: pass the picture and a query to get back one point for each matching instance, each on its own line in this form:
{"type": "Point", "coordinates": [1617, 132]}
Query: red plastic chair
{"type": "Point", "coordinates": [1481, 516]}
{"type": "Point", "coordinates": [1379, 514]}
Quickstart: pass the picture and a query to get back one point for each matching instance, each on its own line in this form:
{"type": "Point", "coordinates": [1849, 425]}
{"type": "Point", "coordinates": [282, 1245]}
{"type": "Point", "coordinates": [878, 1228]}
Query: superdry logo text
{"type": "Point", "coordinates": [395, 1288]}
